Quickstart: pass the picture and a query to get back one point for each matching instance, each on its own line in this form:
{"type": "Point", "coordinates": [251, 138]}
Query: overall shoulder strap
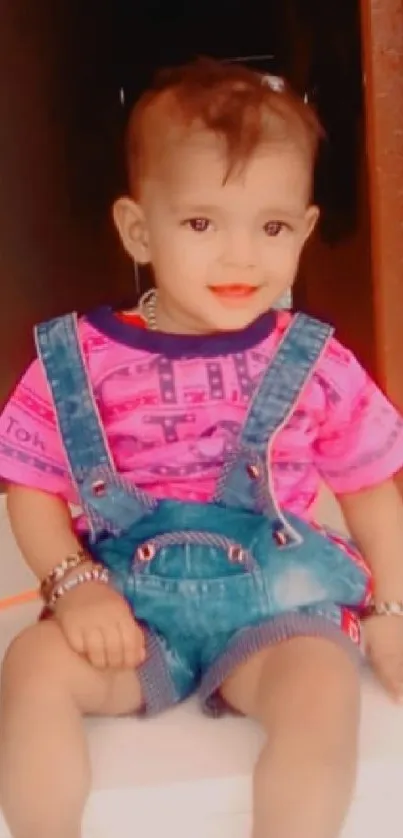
{"type": "Point", "coordinates": [245, 481]}
{"type": "Point", "coordinates": [81, 430]}
{"type": "Point", "coordinates": [284, 379]}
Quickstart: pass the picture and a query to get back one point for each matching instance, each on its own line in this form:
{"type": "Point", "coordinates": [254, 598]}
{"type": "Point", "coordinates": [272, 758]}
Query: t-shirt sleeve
{"type": "Point", "coordinates": [360, 438]}
{"type": "Point", "coordinates": [31, 451]}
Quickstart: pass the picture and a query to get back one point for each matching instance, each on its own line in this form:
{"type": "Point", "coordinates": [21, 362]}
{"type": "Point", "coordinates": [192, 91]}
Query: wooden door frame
{"type": "Point", "coordinates": [382, 45]}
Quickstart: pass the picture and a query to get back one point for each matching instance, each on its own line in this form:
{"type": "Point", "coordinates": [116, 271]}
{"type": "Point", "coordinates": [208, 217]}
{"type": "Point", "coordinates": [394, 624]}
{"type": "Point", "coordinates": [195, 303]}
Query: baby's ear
{"type": "Point", "coordinates": [311, 219]}
{"type": "Point", "coordinates": [130, 223]}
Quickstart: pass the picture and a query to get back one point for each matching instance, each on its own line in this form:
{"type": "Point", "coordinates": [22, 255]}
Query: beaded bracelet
{"type": "Point", "coordinates": [384, 609]}
{"type": "Point", "coordinates": [59, 572]}
{"type": "Point", "coordinates": [98, 573]}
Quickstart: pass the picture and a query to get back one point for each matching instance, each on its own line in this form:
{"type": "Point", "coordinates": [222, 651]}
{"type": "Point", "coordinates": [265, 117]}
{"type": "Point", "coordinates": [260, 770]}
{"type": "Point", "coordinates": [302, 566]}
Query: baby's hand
{"type": "Point", "coordinates": [384, 638]}
{"type": "Point", "coordinates": [99, 624]}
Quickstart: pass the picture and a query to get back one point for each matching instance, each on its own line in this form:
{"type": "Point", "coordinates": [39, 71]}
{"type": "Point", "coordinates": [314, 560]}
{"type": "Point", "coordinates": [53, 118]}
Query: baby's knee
{"type": "Point", "coordinates": [310, 694]}
{"type": "Point", "coordinates": [35, 658]}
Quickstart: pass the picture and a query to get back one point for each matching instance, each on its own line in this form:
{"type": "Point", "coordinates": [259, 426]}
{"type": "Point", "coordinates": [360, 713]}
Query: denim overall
{"type": "Point", "coordinates": [211, 582]}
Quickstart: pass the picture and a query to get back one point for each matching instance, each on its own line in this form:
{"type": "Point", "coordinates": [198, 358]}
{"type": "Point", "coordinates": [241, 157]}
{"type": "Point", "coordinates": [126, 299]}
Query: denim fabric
{"type": "Point", "coordinates": [202, 577]}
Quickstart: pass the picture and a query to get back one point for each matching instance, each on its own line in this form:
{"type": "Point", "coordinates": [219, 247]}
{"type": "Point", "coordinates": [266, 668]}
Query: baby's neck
{"type": "Point", "coordinates": [159, 318]}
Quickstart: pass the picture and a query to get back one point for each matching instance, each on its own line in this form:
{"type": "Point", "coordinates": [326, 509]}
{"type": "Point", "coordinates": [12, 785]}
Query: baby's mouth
{"type": "Point", "coordinates": [233, 292]}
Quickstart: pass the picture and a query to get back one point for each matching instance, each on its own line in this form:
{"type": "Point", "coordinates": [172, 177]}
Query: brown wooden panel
{"type": "Point", "coordinates": [382, 38]}
{"type": "Point", "coordinates": [58, 250]}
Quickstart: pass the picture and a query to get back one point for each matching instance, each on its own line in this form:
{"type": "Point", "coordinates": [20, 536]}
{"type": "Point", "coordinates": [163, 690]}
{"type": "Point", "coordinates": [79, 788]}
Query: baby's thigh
{"type": "Point", "coordinates": [306, 687]}
{"type": "Point", "coordinates": [41, 666]}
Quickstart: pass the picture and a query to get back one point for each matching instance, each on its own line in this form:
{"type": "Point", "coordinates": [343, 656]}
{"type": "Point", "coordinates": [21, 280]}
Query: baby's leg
{"type": "Point", "coordinates": [306, 693]}
{"type": "Point", "coordinates": [44, 764]}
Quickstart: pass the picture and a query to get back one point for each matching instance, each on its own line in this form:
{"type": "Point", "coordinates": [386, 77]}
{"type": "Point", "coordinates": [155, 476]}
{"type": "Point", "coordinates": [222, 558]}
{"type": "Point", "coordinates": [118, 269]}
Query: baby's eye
{"type": "Point", "coordinates": [198, 225]}
{"type": "Point", "coordinates": [274, 228]}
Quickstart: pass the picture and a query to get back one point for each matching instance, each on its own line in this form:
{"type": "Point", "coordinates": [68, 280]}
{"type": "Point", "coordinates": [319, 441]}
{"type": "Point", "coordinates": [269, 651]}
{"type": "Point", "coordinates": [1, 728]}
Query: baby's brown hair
{"type": "Point", "coordinates": [239, 105]}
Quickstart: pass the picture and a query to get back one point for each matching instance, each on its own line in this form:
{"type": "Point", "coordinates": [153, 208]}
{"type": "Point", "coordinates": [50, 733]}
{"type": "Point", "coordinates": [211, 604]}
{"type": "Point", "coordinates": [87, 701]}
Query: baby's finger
{"type": "Point", "coordinates": [75, 638]}
{"type": "Point", "coordinates": [95, 648]}
{"type": "Point", "coordinates": [133, 643]}
{"type": "Point", "coordinates": [114, 647]}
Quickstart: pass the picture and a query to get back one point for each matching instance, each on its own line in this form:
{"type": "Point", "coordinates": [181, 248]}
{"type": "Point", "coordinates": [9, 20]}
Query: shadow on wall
{"type": "Point", "coordinates": [335, 281]}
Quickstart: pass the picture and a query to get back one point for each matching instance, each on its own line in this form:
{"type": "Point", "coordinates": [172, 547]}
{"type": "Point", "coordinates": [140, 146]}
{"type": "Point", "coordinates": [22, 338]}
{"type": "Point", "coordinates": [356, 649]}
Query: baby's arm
{"type": "Point", "coordinates": [95, 619]}
{"type": "Point", "coordinates": [357, 451]}
{"type": "Point", "coordinates": [375, 520]}
{"type": "Point", "coordinates": [42, 527]}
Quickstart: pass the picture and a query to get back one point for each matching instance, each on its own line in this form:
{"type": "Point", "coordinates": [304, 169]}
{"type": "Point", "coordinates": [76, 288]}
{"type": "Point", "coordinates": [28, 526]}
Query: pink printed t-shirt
{"type": "Point", "coordinates": [172, 407]}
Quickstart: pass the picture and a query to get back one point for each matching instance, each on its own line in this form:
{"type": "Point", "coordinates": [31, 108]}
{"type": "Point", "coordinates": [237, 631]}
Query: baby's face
{"type": "Point", "coordinates": [223, 253]}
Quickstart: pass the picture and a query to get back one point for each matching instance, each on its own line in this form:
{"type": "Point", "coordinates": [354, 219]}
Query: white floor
{"type": "Point", "coordinates": [184, 775]}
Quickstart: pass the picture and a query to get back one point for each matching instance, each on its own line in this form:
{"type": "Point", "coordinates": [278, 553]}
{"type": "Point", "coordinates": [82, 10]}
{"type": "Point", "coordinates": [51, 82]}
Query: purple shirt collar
{"type": "Point", "coordinates": [178, 346]}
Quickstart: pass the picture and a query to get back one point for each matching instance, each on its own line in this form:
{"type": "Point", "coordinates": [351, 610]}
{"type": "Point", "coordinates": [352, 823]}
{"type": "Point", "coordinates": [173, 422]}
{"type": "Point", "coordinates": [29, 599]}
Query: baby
{"type": "Point", "coordinates": [194, 433]}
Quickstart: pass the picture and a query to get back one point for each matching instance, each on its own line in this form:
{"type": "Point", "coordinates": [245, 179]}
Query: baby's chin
{"type": "Point", "coordinates": [232, 320]}
{"type": "Point", "coordinates": [222, 313]}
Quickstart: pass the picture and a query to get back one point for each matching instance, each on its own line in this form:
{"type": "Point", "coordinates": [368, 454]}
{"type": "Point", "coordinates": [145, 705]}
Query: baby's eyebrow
{"type": "Point", "coordinates": [197, 208]}
{"type": "Point", "coordinates": [194, 208]}
{"type": "Point", "coordinates": [281, 212]}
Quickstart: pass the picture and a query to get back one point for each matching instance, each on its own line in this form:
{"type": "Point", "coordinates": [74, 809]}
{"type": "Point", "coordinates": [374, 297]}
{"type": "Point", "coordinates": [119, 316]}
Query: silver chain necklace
{"type": "Point", "coordinates": [147, 307]}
